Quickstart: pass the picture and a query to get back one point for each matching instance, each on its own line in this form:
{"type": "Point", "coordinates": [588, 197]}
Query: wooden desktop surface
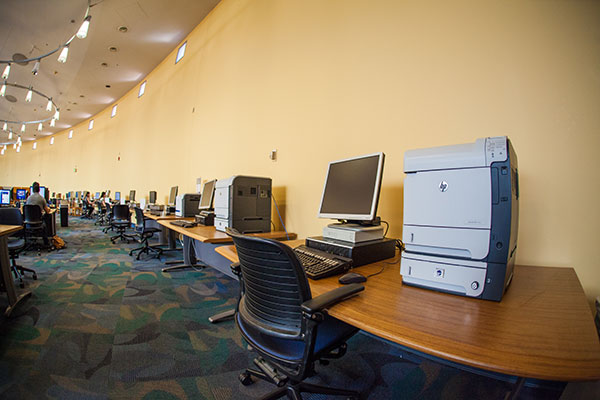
{"type": "Point", "coordinates": [209, 234]}
{"type": "Point", "coordinates": [170, 217]}
{"type": "Point", "coordinates": [543, 327]}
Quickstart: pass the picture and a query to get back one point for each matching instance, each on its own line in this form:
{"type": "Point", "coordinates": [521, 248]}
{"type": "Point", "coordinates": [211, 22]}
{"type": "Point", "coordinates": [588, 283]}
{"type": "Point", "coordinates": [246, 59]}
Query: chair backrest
{"type": "Point", "coordinates": [121, 211]}
{"type": "Point", "coordinates": [139, 218]}
{"type": "Point", "coordinates": [274, 285]}
{"type": "Point", "coordinates": [32, 213]}
{"type": "Point", "coordinates": [11, 216]}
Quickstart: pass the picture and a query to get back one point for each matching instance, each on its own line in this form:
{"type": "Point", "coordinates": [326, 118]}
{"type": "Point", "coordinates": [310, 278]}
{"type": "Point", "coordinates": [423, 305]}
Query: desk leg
{"type": "Point", "coordinates": [9, 286]}
{"type": "Point", "coordinates": [189, 257]}
{"type": "Point", "coordinates": [514, 393]}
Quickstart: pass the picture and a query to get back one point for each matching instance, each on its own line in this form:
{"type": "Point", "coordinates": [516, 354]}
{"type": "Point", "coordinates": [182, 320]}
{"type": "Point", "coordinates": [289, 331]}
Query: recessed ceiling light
{"type": "Point", "coordinates": [11, 98]}
{"type": "Point", "coordinates": [123, 29]}
{"type": "Point", "coordinates": [113, 49]}
{"type": "Point", "coordinates": [18, 58]}
{"type": "Point", "coordinates": [107, 86]}
{"type": "Point", "coordinates": [81, 96]}
{"type": "Point", "coordinates": [104, 64]}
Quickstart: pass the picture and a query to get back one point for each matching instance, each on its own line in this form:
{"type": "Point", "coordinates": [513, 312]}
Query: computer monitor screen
{"type": "Point", "coordinates": [208, 192]}
{"type": "Point", "coordinates": [351, 190]}
{"type": "Point", "coordinates": [172, 195]}
{"type": "Point", "coordinates": [97, 195]}
{"type": "Point", "coordinates": [118, 196]}
{"type": "Point", "coordinates": [152, 197]}
{"type": "Point", "coordinates": [132, 195]}
{"type": "Point", "coordinates": [4, 197]}
{"type": "Point", "coordinates": [21, 194]}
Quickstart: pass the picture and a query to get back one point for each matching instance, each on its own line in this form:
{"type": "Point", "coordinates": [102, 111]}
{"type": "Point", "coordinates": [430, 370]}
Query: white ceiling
{"type": "Point", "coordinates": [93, 76]}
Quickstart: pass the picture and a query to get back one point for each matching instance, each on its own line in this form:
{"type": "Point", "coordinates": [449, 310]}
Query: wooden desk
{"type": "Point", "coordinates": [543, 327]}
{"type": "Point", "coordinates": [209, 234]}
{"type": "Point", "coordinates": [7, 279]}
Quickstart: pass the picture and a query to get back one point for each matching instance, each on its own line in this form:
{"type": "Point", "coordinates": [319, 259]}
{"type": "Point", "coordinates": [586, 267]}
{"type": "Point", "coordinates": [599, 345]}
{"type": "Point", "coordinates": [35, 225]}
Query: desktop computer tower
{"type": "Point", "coordinates": [243, 203]}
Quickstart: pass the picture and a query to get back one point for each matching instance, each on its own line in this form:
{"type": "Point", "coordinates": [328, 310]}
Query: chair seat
{"type": "Point", "coordinates": [331, 331]}
{"type": "Point", "coordinates": [15, 244]}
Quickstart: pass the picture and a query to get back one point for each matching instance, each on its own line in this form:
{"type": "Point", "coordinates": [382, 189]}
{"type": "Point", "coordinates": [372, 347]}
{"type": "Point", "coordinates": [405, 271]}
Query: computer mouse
{"type": "Point", "coordinates": [351, 277]}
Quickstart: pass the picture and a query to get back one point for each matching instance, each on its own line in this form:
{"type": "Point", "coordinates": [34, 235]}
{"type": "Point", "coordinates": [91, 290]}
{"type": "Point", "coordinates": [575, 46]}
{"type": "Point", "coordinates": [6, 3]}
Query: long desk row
{"type": "Point", "coordinates": [543, 327]}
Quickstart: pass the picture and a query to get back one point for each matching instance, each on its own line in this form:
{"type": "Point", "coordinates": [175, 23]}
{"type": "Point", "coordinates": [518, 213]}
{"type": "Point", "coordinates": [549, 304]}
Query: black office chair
{"type": "Point", "coordinates": [121, 221]}
{"type": "Point", "coordinates": [278, 317]}
{"type": "Point", "coordinates": [16, 243]}
{"type": "Point", "coordinates": [108, 218]}
{"type": "Point", "coordinates": [100, 214]}
{"type": "Point", "coordinates": [34, 227]}
{"type": "Point", "coordinates": [144, 233]}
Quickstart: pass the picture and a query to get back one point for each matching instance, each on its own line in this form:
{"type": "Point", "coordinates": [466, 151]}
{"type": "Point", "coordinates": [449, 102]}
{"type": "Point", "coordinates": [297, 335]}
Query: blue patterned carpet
{"type": "Point", "coordinates": [100, 325]}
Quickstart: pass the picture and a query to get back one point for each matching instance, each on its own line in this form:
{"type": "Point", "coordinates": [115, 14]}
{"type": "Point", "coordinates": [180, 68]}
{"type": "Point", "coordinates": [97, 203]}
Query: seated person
{"type": "Point", "coordinates": [88, 206]}
{"type": "Point", "coordinates": [36, 198]}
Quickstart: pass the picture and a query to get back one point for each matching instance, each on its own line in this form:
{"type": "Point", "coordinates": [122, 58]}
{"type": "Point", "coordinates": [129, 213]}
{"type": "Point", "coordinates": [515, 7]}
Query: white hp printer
{"type": "Point", "coordinates": [461, 217]}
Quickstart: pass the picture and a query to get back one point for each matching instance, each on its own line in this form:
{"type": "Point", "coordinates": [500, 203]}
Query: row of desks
{"type": "Point", "coordinates": [543, 328]}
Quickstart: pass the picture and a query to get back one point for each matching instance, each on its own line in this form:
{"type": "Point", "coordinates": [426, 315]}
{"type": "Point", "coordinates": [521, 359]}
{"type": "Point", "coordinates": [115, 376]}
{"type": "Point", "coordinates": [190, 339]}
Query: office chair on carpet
{"type": "Point", "coordinates": [13, 216]}
{"type": "Point", "coordinates": [144, 233]}
{"type": "Point", "coordinates": [34, 228]}
{"type": "Point", "coordinates": [278, 317]}
{"type": "Point", "coordinates": [121, 221]}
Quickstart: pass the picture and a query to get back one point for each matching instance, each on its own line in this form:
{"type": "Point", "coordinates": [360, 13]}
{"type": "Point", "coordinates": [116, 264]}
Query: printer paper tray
{"type": "Point", "coordinates": [445, 274]}
{"type": "Point", "coordinates": [452, 242]}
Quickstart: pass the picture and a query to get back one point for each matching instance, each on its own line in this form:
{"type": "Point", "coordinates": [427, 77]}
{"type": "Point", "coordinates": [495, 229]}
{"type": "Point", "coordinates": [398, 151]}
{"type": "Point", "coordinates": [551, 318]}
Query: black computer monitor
{"type": "Point", "coordinates": [208, 193]}
{"type": "Point", "coordinates": [152, 197]}
{"type": "Point", "coordinates": [351, 190]}
{"type": "Point", "coordinates": [5, 197]}
{"type": "Point", "coordinates": [132, 195]}
{"type": "Point", "coordinates": [172, 195]}
{"type": "Point", "coordinates": [21, 194]}
{"type": "Point", "coordinates": [117, 196]}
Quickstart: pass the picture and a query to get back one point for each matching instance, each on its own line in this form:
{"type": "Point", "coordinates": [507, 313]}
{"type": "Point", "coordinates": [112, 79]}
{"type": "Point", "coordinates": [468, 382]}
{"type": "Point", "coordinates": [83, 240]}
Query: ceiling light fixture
{"type": "Point", "coordinates": [57, 115]}
{"type": "Point", "coordinates": [62, 58]}
{"type": "Point", "coordinates": [83, 30]}
{"type": "Point", "coordinates": [29, 95]}
{"type": "Point", "coordinates": [5, 127]}
{"type": "Point", "coordinates": [70, 133]}
{"type": "Point", "coordinates": [36, 68]}
{"type": "Point", "coordinates": [49, 105]}
{"type": "Point", "coordinates": [52, 122]}
{"type": "Point", "coordinates": [22, 128]}
{"type": "Point", "coordinates": [6, 72]}
{"type": "Point", "coordinates": [10, 135]}
{"type": "Point", "coordinates": [40, 127]}
{"type": "Point", "coordinates": [51, 140]}
{"type": "Point", "coordinates": [34, 145]}
{"type": "Point", "coordinates": [3, 90]}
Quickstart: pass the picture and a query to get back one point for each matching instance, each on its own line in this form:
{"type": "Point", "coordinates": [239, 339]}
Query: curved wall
{"type": "Point", "coordinates": [324, 80]}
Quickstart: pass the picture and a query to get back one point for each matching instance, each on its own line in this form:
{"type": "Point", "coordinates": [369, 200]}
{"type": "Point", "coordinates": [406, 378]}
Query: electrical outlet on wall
{"type": "Point", "coordinates": [273, 155]}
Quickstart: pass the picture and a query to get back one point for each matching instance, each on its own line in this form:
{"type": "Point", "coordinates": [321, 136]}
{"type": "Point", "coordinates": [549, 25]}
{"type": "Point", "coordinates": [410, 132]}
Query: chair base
{"type": "Point", "coordinates": [179, 267]}
{"type": "Point", "coordinates": [290, 389]}
{"type": "Point", "coordinates": [146, 249]}
{"type": "Point", "coordinates": [123, 236]}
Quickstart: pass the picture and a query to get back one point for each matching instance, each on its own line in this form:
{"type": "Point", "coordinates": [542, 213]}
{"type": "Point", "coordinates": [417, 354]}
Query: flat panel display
{"type": "Point", "coordinates": [208, 193]}
{"type": "Point", "coordinates": [351, 190]}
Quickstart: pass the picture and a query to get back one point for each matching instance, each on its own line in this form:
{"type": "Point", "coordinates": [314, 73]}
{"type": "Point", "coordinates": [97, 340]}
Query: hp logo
{"type": "Point", "coordinates": [443, 186]}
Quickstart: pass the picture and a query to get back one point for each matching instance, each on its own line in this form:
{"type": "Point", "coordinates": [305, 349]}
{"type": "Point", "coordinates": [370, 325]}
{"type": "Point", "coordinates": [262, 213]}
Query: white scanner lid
{"type": "Point", "coordinates": [471, 155]}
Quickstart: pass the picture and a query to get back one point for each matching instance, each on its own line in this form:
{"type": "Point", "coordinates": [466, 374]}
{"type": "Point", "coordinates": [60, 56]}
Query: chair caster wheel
{"type": "Point", "coordinates": [245, 378]}
{"type": "Point", "coordinates": [35, 277]}
{"type": "Point", "coordinates": [324, 362]}
{"type": "Point", "coordinates": [22, 285]}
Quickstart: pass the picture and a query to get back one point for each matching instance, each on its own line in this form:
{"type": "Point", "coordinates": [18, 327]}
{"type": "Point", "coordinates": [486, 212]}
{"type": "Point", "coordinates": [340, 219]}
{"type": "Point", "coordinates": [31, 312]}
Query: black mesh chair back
{"type": "Point", "coordinates": [275, 286]}
{"type": "Point", "coordinates": [11, 216]}
{"type": "Point", "coordinates": [121, 212]}
{"type": "Point", "coordinates": [140, 221]}
{"type": "Point", "coordinates": [32, 215]}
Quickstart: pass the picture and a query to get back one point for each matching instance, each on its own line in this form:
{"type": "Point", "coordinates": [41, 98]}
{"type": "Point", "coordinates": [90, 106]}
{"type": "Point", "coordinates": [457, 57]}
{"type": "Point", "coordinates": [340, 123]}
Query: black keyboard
{"type": "Point", "coordinates": [319, 264]}
{"type": "Point", "coordinates": [184, 224]}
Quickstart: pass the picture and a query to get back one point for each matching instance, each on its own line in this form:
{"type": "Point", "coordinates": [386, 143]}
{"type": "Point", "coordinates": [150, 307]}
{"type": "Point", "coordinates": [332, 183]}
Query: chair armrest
{"type": "Point", "coordinates": [327, 299]}
{"type": "Point", "coordinates": [235, 267]}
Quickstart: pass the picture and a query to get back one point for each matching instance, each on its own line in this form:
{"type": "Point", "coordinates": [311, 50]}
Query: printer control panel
{"type": "Point", "coordinates": [495, 149]}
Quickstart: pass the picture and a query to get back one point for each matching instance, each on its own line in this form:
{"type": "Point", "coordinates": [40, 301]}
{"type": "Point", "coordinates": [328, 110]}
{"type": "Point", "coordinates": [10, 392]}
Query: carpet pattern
{"type": "Point", "coordinates": [100, 325]}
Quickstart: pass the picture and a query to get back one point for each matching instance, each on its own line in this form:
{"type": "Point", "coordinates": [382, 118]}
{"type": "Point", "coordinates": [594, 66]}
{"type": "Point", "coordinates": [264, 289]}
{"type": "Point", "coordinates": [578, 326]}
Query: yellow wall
{"type": "Point", "coordinates": [322, 80]}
